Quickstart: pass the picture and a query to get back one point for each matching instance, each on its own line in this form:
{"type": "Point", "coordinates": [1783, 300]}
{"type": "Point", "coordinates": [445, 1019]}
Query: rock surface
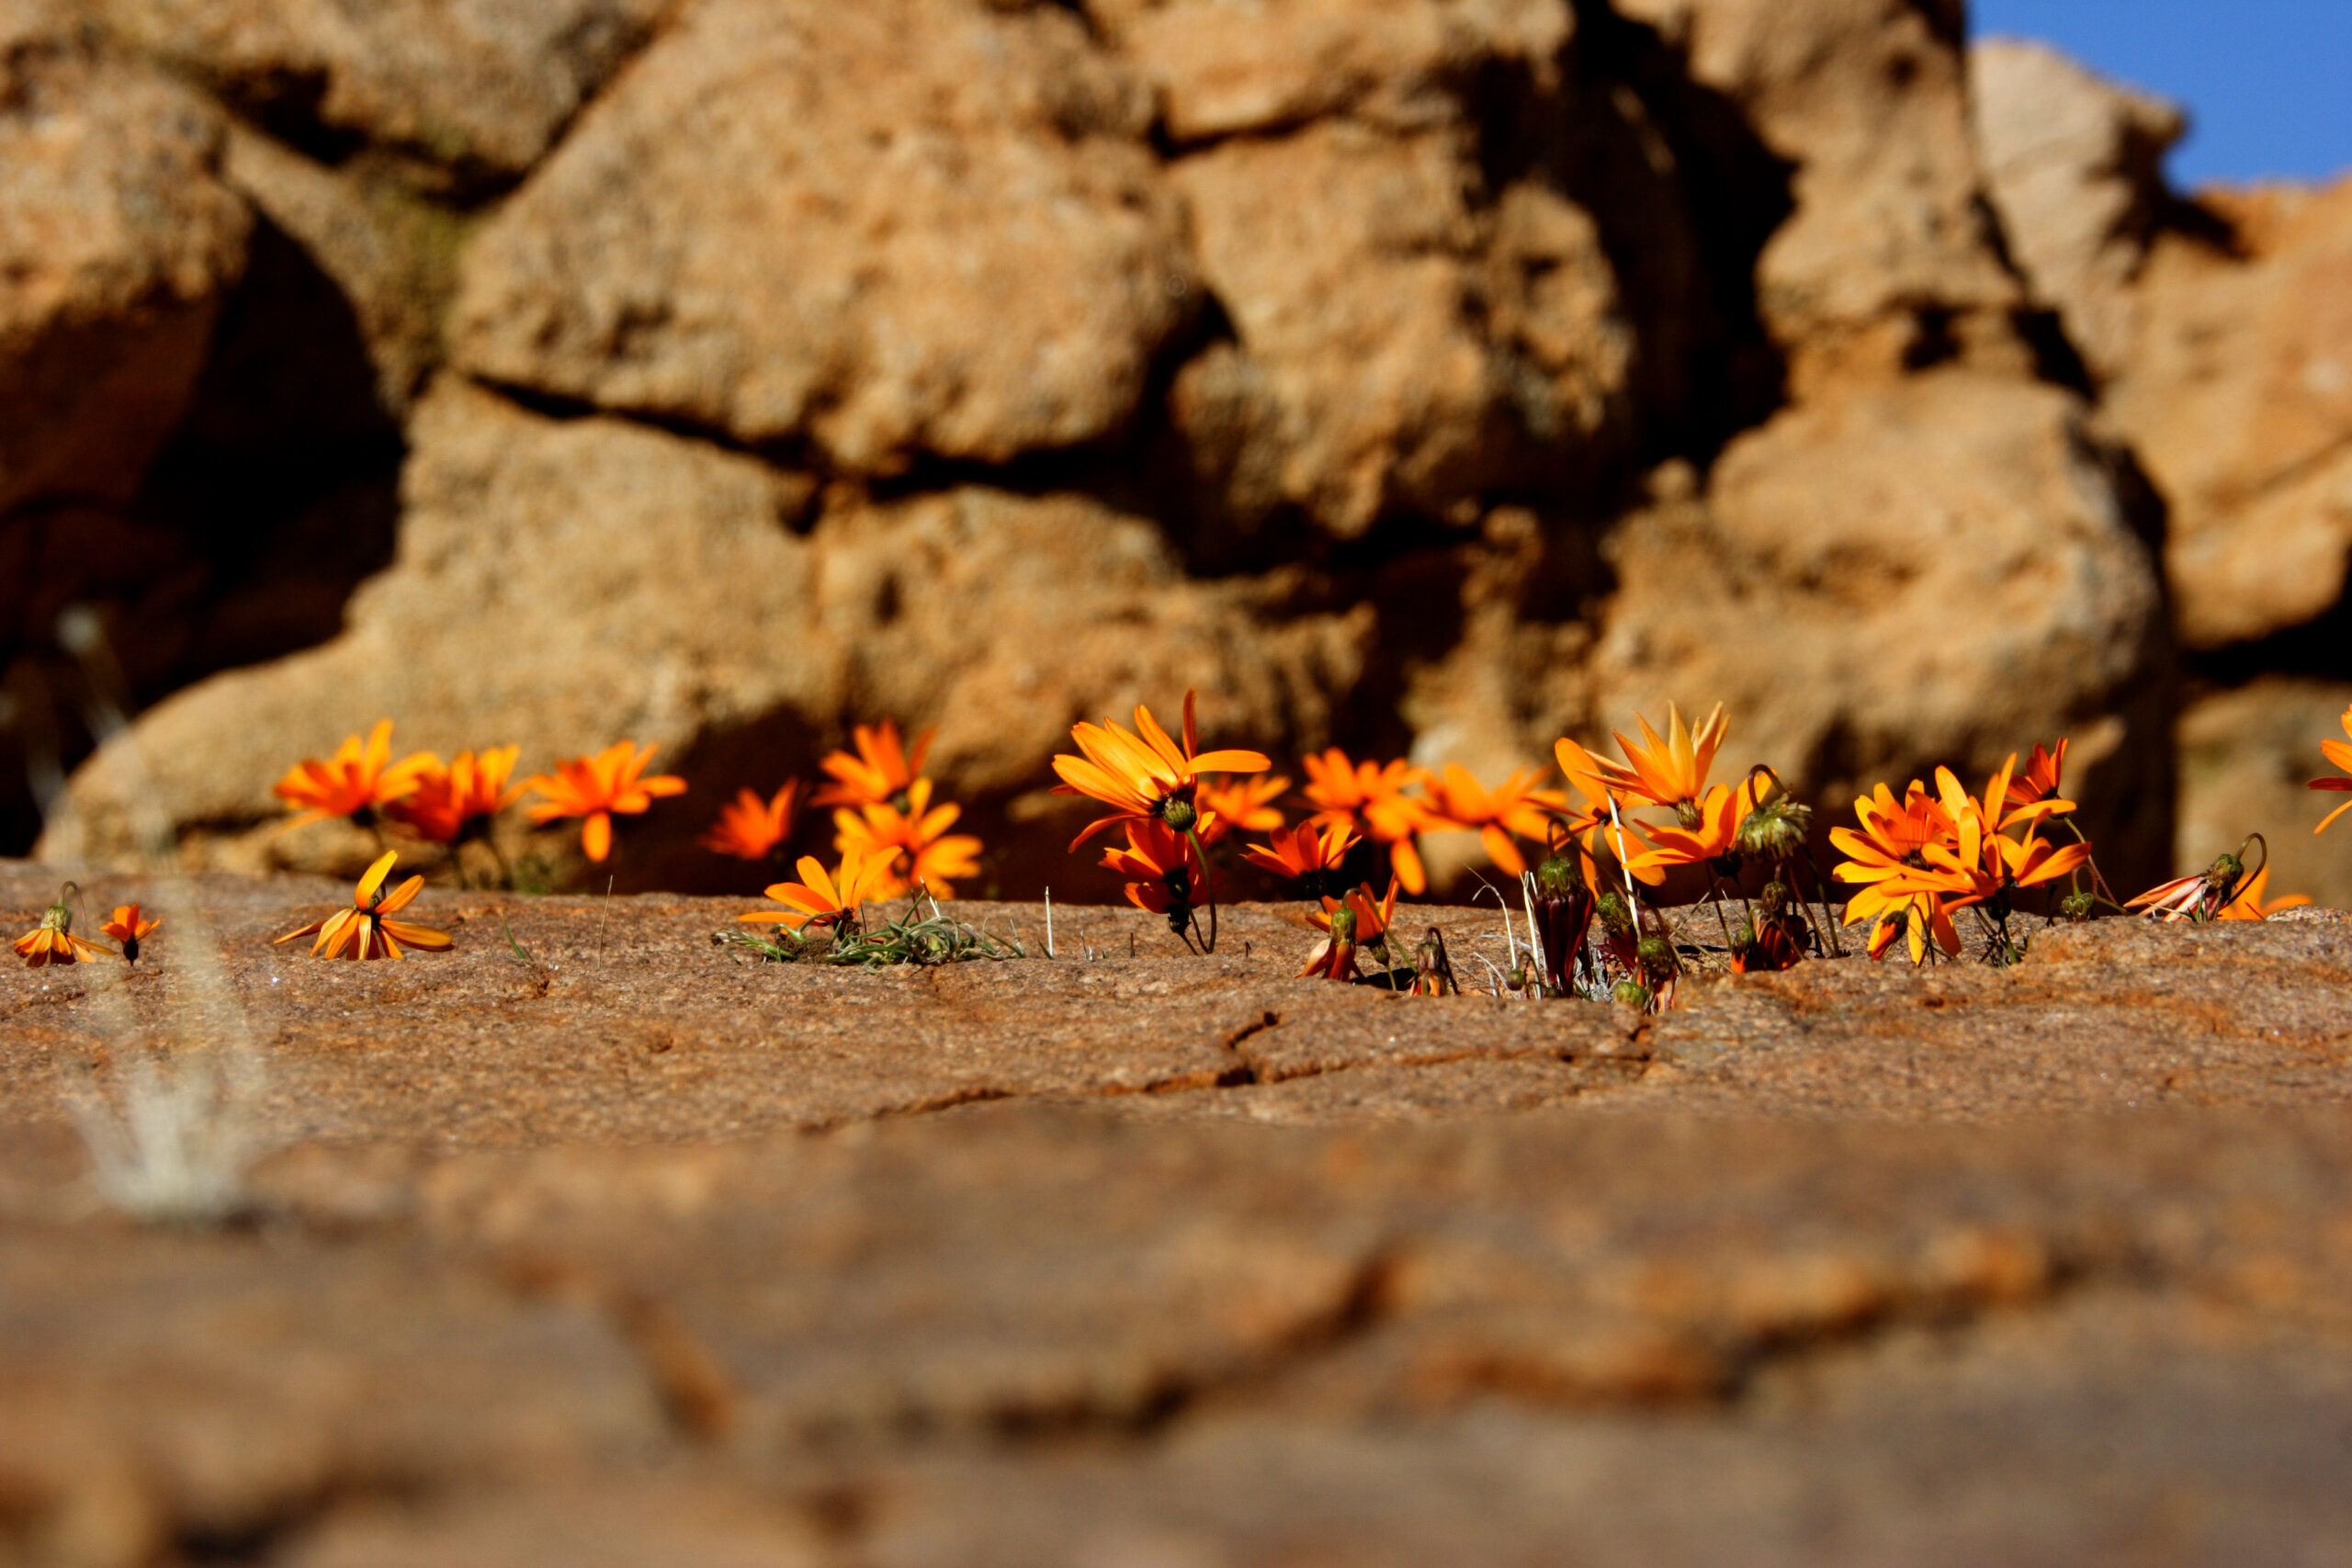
{"type": "Point", "coordinates": [117, 241]}
{"type": "Point", "coordinates": [477, 87]}
{"type": "Point", "coordinates": [765, 639]}
{"type": "Point", "coordinates": [600, 1233]}
{"type": "Point", "coordinates": [920, 227]}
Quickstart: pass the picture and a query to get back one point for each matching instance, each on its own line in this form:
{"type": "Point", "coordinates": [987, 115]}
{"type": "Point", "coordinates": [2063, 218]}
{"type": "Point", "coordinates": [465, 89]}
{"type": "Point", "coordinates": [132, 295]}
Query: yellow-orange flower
{"type": "Point", "coordinates": [1591, 822]}
{"type": "Point", "coordinates": [1144, 776]}
{"type": "Point", "coordinates": [1367, 922]}
{"type": "Point", "coordinates": [818, 900]}
{"type": "Point", "coordinates": [1369, 798]}
{"type": "Point", "coordinates": [2337, 753]}
{"type": "Point", "coordinates": [2249, 905]}
{"type": "Point", "coordinates": [594, 788]}
{"type": "Point", "coordinates": [358, 778]}
{"type": "Point", "coordinates": [54, 941]}
{"type": "Point", "coordinates": [2041, 780]}
{"type": "Point", "coordinates": [1669, 772]}
{"type": "Point", "coordinates": [1239, 804]}
{"type": "Point", "coordinates": [1513, 808]}
{"type": "Point", "coordinates": [1712, 836]}
{"type": "Point", "coordinates": [1893, 834]}
{"type": "Point", "coordinates": [129, 929]}
{"type": "Point", "coordinates": [910, 848]}
{"type": "Point", "coordinates": [452, 803]}
{"type": "Point", "coordinates": [1163, 869]}
{"type": "Point", "coordinates": [1303, 851]}
{"type": "Point", "coordinates": [880, 774]}
{"type": "Point", "coordinates": [750, 829]}
{"type": "Point", "coordinates": [364, 928]}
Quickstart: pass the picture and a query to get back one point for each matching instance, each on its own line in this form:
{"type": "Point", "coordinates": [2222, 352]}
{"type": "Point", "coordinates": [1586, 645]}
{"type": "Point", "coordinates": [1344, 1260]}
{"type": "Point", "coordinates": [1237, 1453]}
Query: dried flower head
{"type": "Point", "coordinates": [365, 929]}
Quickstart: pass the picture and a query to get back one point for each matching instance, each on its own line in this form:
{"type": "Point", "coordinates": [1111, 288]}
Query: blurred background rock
{"type": "Point", "coordinates": [1426, 377]}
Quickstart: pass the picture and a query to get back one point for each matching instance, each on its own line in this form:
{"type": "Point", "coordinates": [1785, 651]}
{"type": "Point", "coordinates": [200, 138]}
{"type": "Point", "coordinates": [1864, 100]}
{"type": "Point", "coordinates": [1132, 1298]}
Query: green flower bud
{"type": "Point", "coordinates": [1632, 994]}
{"type": "Point", "coordinates": [1178, 813]}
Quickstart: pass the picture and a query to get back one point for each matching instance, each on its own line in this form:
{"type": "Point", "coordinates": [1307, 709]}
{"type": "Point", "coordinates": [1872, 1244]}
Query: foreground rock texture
{"type": "Point", "coordinates": [599, 1235]}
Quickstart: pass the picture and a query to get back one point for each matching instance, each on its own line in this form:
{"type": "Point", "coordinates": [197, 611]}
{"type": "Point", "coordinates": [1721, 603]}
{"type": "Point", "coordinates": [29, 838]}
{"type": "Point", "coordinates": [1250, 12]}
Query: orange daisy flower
{"type": "Point", "coordinates": [910, 848]}
{"type": "Point", "coordinates": [594, 788]}
{"type": "Point", "coordinates": [1513, 808]}
{"type": "Point", "coordinates": [750, 829]}
{"type": "Point", "coordinates": [2249, 905]}
{"type": "Point", "coordinates": [1893, 835]}
{"type": "Point", "coordinates": [1240, 805]}
{"type": "Point", "coordinates": [880, 774]}
{"type": "Point", "coordinates": [1144, 776]}
{"type": "Point", "coordinates": [129, 929]}
{"type": "Point", "coordinates": [1671, 772]}
{"type": "Point", "coordinates": [54, 941]}
{"type": "Point", "coordinates": [1369, 798]}
{"type": "Point", "coordinates": [2337, 753]}
{"type": "Point", "coordinates": [458, 801]}
{"type": "Point", "coordinates": [818, 900]}
{"type": "Point", "coordinates": [1164, 868]}
{"type": "Point", "coordinates": [352, 782]}
{"type": "Point", "coordinates": [1591, 822]}
{"type": "Point", "coordinates": [365, 929]}
{"type": "Point", "coordinates": [2041, 779]}
{"type": "Point", "coordinates": [1300, 852]}
{"type": "Point", "coordinates": [1713, 835]}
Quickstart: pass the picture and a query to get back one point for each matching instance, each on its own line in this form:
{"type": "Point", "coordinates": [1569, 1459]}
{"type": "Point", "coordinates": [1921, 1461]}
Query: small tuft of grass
{"type": "Point", "coordinates": [912, 938]}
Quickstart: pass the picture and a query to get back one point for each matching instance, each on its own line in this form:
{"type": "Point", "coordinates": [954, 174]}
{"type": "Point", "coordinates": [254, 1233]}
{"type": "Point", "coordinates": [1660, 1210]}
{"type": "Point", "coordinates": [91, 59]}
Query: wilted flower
{"type": "Point", "coordinates": [365, 929]}
{"type": "Point", "coordinates": [52, 941]}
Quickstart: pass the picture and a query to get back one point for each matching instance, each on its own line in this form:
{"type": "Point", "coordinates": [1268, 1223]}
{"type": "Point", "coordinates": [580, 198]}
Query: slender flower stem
{"type": "Point", "coordinates": [1202, 849]}
{"type": "Point", "coordinates": [1821, 887]}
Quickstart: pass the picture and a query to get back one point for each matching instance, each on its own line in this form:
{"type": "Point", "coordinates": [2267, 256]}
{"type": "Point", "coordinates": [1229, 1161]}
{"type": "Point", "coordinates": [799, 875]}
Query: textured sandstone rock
{"type": "Point", "coordinates": [1222, 69]}
{"type": "Point", "coordinates": [1400, 345]}
{"type": "Point", "coordinates": [2074, 164]}
{"type": "Point", "coordinates": [480, 85]}
{"type": "Point", "coordinates": [2238, 398]}
{"type": "Point", "coordinates": [1866, 100]}
{"type": "Point", "coordinates": [117, 241]}
{"type": "Point", "coordinates": [622, 1241]}
{"type": "Point", "coordinates": [393, 258]}
{"type": "Point", "coordinates": [726, 634]}
{"type": "Point", "coordinates": [904, 228]}
{"type": "Point", "coordinates": [2245, 758]}
{"type": "Point", "coordinates": [1937, 571]}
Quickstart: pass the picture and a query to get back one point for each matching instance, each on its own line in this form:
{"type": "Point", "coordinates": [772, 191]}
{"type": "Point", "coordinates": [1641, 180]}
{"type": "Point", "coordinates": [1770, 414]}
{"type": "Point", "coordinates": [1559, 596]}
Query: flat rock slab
{"type": "Point", "coordinates": [595, 1241]}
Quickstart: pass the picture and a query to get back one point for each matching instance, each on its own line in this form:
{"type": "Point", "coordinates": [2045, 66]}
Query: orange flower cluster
{"type": "Point", "coordinates": [458, 803]}
{"type": "Point", "coordinates": [883, 814]}
{"type": "Point", "coordinates": [1920, 860]}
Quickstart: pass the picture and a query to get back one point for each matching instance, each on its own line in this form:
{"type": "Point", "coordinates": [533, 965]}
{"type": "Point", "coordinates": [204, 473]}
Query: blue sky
{"type": "Point", "coordinates": [2268, 83]}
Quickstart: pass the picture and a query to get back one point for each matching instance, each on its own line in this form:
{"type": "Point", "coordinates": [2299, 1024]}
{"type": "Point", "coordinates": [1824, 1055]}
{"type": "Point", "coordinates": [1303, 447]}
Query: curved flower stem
{"type": "Point", "coordinates": [1821, 889]}
{"type": "Point", "coordinates": [1202, 849]}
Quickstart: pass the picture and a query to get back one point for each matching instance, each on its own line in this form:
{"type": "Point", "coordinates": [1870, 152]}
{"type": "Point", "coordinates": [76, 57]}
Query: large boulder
{"type": "Point", "coordinates": [2074, 165]}
{"type": "Point", "coordinates": [1939, 571]}
{"type": "Point", "coordinates": [895, 230]}
{"type": "Point", "coordinates": [1886, 248]}
{"type": "Point", "coordinates": [118, 242]}
{"type": "Point", "coordinates": [725, 628]}
{"type": "Point", "coordinates": [1221, 69]}
{"type": "Point", "coordinates": [1403, 344]}
{"type": "Point", "coordinates": [479, 87]}
{"type": "Point", "coordinates": [2238, 395]}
